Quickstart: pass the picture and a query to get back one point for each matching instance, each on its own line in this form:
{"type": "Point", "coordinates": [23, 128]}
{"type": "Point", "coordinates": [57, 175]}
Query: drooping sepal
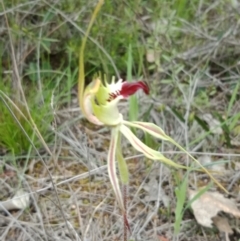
{"type": "Point", "coordinates": [157, 132]}
{"type": "Point", "coordinates": [112, 166]}
{"type": "Point", "coordinates": [150, 128]}
{"type": "Point", "coordinates": [147, 151]}
{"type": "Point", "coordinates": [122, 165]}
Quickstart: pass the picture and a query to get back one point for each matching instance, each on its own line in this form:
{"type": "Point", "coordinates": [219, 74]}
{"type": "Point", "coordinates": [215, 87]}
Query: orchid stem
{"type": "Point", "coordinates": [125, 220]}
{"type": "Point", "coordinates": [125, 212]}
{"type": "Point", "coordinates": [81, 75]}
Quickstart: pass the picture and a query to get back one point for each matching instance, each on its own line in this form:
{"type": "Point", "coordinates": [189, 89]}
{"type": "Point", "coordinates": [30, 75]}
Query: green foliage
{"type": "Point", "coordinates": [148, 140]}
{"type": "Point", "coordinates": [133, 101]}
{"type": "Point", "coordinates": [181, 194]}
{"type": "Point", "coordinates": [15, 124]}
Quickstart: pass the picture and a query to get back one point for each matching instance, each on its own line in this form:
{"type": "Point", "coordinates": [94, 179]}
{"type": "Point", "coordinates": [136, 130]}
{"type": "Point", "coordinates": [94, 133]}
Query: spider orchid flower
{"type": "Point", "coordinates": [100, 101]}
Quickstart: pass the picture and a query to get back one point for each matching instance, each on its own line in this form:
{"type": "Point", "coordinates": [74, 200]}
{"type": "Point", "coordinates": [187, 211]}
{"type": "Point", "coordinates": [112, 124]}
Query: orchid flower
{"type": "Point", "coordinates": [99, 104]}
{"type": "Point", "coordinates": [100, 101]}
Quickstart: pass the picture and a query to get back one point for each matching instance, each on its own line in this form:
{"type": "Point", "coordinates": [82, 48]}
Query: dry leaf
{"type": "Point", "coordinates": [21, 200]}
{"type": "Point", "coordinates": [152, 55]}
{"type": "Point", "coordinates": [222, 224]}
{"type": "Point", "coordinates": [155, 192]}
{"type": "Point", "coordinates": [209, 204]}
{"type": "Point", "coordinates": [214, 125]}
{"type": "Point", "coordinates": [162, 238]}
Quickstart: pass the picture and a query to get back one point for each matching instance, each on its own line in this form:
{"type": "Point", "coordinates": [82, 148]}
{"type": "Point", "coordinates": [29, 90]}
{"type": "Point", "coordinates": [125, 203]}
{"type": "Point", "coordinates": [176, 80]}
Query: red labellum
{"type": "Point", "coordinates": [130, 88]}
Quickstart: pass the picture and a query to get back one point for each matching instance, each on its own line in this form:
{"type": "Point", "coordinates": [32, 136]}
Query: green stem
{"type": "Point", "coordinates": [81, 75]}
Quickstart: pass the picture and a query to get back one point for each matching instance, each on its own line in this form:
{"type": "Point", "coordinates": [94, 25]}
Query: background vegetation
{"type": "Point", "coordinates": [188, 52]}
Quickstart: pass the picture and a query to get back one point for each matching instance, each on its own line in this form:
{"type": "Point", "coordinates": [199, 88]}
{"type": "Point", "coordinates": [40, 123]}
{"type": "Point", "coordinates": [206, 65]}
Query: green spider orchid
{"type": "Point", "coordinates": [100, 101]}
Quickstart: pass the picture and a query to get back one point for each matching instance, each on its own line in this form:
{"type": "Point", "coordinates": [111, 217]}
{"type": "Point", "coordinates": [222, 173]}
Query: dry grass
{"type": "Point", "coordinates": [71, 196]}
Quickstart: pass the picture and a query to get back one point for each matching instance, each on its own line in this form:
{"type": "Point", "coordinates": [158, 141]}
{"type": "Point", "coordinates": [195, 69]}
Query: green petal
{"type": "Point", "coordinates": [88, 112]}
{"type": "Point", "coordinates": [107, 114]}
{"type": "Point", "coordinates": [102, 95]}
{"type": "Point", "coordinates": [112, 166]}
{"type": "Point", "coordinates": [147, 151]}
{"type": "Point", "coordinates": [88, 96]}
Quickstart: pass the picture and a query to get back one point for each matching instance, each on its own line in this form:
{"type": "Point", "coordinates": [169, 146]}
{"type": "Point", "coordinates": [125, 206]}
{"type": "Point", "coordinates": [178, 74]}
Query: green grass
{"type": "Point", "coordinates": [182, 201]}
{"type": "Point", "coordinates": [15, 123]}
